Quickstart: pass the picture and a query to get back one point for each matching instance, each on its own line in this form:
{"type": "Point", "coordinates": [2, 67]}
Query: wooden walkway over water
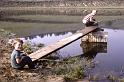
{"type": "Point", "coordinates": [60, 44]}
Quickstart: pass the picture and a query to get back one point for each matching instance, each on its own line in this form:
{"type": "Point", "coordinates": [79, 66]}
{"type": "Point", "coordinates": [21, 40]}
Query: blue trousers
{"type": "Point", "coordinates": [26, 60]}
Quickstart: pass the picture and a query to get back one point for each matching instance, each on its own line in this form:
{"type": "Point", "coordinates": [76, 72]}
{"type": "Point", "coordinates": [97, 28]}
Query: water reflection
{"type": "Point", "coordinates": [49, 34]}
{"type": "Point", "coordinates": [109, 55]}
{"type": "Point", "coordinates": [47, 38]}
{"type": "Point", "coordinates": [91, 49]}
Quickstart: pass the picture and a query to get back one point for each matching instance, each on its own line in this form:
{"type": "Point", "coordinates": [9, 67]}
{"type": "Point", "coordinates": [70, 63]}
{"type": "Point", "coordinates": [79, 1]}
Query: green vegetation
{"type": "Point", "coordinates": [6, 34]}
{"type": "Point", "coordinates": [27, 48]}
{"type": "Point", "coordinates": [30, 47]}
{"type": "Point", "coordinates": [70, 68]}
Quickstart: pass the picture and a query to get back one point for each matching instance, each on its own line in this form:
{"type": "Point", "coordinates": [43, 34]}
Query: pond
{"type": "Point", "coordinates": [110, 57]}
{"type": "Point", "coordinates": [48, 29]}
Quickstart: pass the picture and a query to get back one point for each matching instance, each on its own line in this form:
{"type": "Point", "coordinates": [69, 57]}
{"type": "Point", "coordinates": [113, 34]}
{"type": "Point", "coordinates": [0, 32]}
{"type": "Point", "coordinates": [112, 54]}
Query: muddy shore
{"type": "Point", "coordinates": [7, 73]}
{"type": "Point", "coordinates": [44, 73]}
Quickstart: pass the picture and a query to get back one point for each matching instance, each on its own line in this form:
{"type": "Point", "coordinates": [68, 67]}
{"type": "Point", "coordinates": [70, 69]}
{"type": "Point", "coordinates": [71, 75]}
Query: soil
{"type": "Point", "coordinates": [62, 3]}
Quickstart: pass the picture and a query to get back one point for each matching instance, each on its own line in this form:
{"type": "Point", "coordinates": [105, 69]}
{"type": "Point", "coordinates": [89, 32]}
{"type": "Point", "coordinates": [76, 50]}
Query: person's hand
{"type": "Point", "coordinates": [23, 53]}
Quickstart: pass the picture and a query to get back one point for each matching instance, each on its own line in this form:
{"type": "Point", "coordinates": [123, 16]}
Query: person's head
{"type": "Point", "coordinates": [93, 12]}
{"type": "Point", "coordinates": [18, 44]}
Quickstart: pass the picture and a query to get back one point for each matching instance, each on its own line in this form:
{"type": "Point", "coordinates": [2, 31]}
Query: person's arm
{"type": "Point", "coordinates": [91, 18]}
{"type": "Point", "coordinates": [18, 60]}
{"type": "Point", "coordinates": [18, 57]}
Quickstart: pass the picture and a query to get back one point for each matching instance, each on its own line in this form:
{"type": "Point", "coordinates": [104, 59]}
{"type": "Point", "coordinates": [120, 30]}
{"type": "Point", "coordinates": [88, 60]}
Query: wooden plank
{"type": "Point", "coordinates": [60, 44]}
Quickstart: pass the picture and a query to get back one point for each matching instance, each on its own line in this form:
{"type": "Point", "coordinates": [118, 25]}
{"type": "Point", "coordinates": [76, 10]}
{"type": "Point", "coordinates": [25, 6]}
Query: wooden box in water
{"type": "Point", "coordinates": [98, 36]}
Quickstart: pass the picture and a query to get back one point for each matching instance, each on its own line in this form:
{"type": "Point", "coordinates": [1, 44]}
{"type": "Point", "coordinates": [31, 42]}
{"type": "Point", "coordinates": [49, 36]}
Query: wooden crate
{"type": "Point", "coordinates": [99, 36]}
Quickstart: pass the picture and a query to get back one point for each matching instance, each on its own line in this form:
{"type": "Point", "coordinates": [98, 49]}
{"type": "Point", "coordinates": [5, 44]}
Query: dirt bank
{"type": "Point", "coordinates": [8, 74]}
{"type": "Point", "coordinates": [48, 71]}
{"type": "Point", "coordinates": [61, 3]}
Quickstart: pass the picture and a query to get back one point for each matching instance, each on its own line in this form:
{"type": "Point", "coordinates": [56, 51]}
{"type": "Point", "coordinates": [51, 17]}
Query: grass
{"type": "Point", "coordinates": [29, 47]}
{"type": "Point", "coordinates": [5, 35]}
{"type": "Point", "coordinates": [70, 69]}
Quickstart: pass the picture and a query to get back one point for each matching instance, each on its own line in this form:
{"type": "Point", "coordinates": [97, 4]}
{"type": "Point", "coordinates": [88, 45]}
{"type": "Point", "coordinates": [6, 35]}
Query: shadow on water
{"type": "Point", "coordinates": [91, 49]}
{"type": "Point", "coordinates": [48, 34]}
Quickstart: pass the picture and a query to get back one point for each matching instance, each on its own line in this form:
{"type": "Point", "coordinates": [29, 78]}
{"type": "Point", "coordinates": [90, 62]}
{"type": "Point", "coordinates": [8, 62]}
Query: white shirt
{"type": "Point", "coordinates": [87, 18]}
